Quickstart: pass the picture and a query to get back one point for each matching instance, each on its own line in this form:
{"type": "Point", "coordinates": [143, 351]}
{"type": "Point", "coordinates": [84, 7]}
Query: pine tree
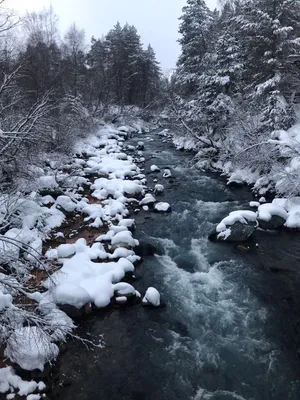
{"type": "Point", "coordinates": [151, 76]}
{"type": "Point", "coordinates": [195, 28]}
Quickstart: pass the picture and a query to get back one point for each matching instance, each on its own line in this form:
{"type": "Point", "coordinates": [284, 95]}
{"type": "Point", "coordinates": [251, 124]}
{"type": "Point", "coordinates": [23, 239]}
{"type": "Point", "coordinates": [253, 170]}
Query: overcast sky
{"type": "Point", "coordinates": [155, 20]}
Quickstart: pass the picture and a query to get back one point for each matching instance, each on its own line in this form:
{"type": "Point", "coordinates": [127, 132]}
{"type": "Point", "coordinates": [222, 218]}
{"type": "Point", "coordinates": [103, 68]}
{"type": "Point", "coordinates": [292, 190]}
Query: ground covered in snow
{"type": "Point", "coordinates": [246, 165]}
{"type": "Point", "coordinates": [69, 245]}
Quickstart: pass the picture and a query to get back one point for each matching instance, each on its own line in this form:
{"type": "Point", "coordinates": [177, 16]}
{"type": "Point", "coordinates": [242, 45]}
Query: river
{"type": "Point", "coordinates": [231, 325]}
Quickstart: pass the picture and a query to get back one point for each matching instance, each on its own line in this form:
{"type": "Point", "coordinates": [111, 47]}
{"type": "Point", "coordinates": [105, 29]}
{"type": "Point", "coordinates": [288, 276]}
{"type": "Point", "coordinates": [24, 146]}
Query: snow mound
{"type": "Point", "coordinates": [65, 250]}
{"type": "Point", "coordinates": [152, 297]}
{"type": "Point", "coordinates": [66, 203]}
{"type": "Point", "coordinates": [31, 348]}
{"type": "Point", "coordinates": [167, 173]}
{"type": "Point", "coordinates": [71, 294]}
{"type": "Point", "coordinates": [254, 204]}
{"type": "Point", "coordinates": [293, 220]}
{"type": "Point", "coordinates": [162, 207]}
{"type": "Point", "coordinates": [154, 168]}
{"type": "Point", "coordinates": [242, 216]}
{"type": "Point", "coordinates": [124, 289]}
{"type": "Point", "coordinates": [115, 187]}
{"type": "Point", "coordinates": [10, 381]}
{"type": "Point", "coordinates": [124, 237]}
{"type": "Point", "coordinates": [148, 199]}
{"type": "Point", "coordinates": [266, 211]}
{"type": "Point", "coordinates": [5, 301]}
{"type": "Point", "coordinates": [158, 189]}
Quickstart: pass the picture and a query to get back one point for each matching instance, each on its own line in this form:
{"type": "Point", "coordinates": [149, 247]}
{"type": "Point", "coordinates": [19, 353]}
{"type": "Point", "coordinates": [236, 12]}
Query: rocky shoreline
{"type": "Point", "coordinates": [93, 243]}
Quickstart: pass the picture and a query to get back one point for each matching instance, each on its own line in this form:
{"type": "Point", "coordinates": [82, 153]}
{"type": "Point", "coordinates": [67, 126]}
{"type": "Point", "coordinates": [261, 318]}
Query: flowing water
{"type": "Point", "coordinates": [231, 325]}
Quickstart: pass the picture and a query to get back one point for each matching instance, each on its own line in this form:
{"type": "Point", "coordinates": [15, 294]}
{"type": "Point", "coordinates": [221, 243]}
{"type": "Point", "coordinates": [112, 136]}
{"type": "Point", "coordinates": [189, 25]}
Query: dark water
{"type": "Point", "coordinates": [231, 327]}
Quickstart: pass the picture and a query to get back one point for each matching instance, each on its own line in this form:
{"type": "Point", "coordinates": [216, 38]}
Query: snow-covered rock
{"type": "Point", "coordinates": [70, 294]}
{"type": "Point", "coordinates": [66, 203]}
{"type": "Point", "coordinates": [159, 189]}
{"type": "Point", "coordinates": [162, 207]}
{"type": "Point", "coordinates": [121, 300]}
{"type": "Point", "coordinates": [271, 216]}
{"type": "Point", "coordinates": [148, 199]}
{"type": "Point", "coordinates": [11, 382]}
{"type": "Point", "coordinates": [124, 237]}
{"type": "Point", "coordinates": [154, 168]}
{"type": "Point", "coordinates": [254, 204]}
{"type": "Point", "coordinates": [167, 173]}
{"type": "Point", "coordinates": [152, 297]}
{"type": "Point", "coordinates": [237, 226]}
{"type": "Point", "coordinates": [65, 250]}
{"type": "Point", "coordinates": [124, 289]}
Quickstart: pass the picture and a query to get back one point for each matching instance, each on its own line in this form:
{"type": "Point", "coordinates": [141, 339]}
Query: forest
{"type": "Point", "coordinates": [236, 89]}
{"type": "Point", "coordinates": [115, 281]}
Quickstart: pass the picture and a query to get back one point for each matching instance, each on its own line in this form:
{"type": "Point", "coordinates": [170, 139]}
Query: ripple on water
{"type": "Point", "coordinates": [224, 321]}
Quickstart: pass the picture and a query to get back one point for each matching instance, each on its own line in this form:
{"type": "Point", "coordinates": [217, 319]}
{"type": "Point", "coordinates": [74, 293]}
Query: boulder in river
{"type": "Point", "coordinates": [238, 226]}
{"type": "Point", "coordinates": [238, 232]}
{"type": "Point", "coordinates": [151, 298]}
{"type": "Point", "coordinates": [271, 216]}
{"type": "Point", "coordinates": [162, 207]}
{"type": "Point", "coordinates": [145, 249]}
{"type": "Point", "coordinates": [273, 224]}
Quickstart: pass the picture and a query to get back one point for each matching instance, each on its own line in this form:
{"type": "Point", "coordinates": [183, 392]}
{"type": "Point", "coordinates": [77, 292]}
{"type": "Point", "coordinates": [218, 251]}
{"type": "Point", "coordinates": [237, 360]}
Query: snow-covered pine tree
{"type": "Point", "coordinates": [195, 27]}
{"type": "Point", "coordinates": [151, 76]}
{"type": "Point", "coordinates": [271, 30]}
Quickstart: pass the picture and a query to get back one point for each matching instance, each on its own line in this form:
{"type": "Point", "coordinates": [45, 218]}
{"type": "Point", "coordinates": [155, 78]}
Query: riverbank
{"type": "Point", "coordinates": [274, 173]}
{"type": "Point", "coordinates": [83, 259]}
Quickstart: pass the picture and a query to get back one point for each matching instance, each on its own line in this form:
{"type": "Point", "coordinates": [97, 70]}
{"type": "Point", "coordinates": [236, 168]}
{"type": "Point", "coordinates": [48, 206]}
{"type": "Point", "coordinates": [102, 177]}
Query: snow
{"type": "Point", "coordinates": [65, 250]}
{"type": "Point", "coordinates": [96, 278]}
{"type": "Point", "coordinates": [167, 173]}
{"type": "Point", "coordinates": [89, 274]}
{"type": "Point", "coordinates": [122, 252]}
{"type": "Point", "coordinates": [66, 203]}
{"type": "Point", "coordinates": [121, 299]}
{"type": "Point", "coordinates": [33, 397]}
{"type": "Point", "coordinates": [124, 237]}
{"type": "Point", "coordinates": [292, 206]}
{"type": "Point", "coordinates": [10, 381]}
{"type": "Point", "coordinates": [47, 200]}
{"type": "Point", "coordinates": [124, 289]}
{"type": "Point", "coordinates": [128, 223]}
{"type": "Point", "coordinates": [154, 168]}
{"type": "Point", "coordinates": [71, 294]}
{"type": "Point", "coordinates": [224, 234]}
{"type": "Point", "coordinates": [124, 128]}
{"type": "Point", "coordinates": [254, 204]}
{"type": "Point", "coordinates": [266, 211]}
{"type": "Point", "coordinates": [162, 207]}
{"type": "Point", "coordinates": [242, 216]}
{"type": "Point", "coordinates": [293, 219]}
{"type": "Point", "coordinates": [31, 348]}
{"type": "Point", "coordinates": [5, 301]}
{"type": "Point", "coordinates": [115, 187]}
{"type": "Point", "coordinates": [148, 199]}
{"type": "Point", "coordinates": [152, 297]}
{"type": "Point", "coordinates": [158, 189]}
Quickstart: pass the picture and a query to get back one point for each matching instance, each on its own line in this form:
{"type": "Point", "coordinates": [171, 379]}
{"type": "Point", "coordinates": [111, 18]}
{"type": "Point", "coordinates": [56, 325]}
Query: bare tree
{"type": "Point", "coordinates": [41, 27]}
{"type": "Point", "coordinates": [73, 50]}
